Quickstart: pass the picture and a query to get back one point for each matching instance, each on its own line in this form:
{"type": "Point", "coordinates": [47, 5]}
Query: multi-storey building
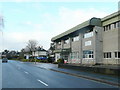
{"type": "Point", "coordinates": [95, 41]}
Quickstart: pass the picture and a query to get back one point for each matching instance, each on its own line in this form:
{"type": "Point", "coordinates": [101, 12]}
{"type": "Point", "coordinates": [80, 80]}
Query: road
{"type": "Point", "coordinates": [16, 74]}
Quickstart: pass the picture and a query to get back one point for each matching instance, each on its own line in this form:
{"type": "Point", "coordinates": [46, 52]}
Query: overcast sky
{"type": "Point", "coordinates": [41, 21]}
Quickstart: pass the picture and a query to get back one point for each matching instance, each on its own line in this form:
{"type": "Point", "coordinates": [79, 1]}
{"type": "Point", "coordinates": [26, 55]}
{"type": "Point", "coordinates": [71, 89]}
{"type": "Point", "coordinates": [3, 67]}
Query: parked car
{"type": "Point", "coordinates": [4, 60]}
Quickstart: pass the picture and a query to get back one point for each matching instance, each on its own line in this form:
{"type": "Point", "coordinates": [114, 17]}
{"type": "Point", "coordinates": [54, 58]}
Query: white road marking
{"type": "Point", "coordinates": [26, 72]}
{"type": "Point", "coordinates": [42, 82]}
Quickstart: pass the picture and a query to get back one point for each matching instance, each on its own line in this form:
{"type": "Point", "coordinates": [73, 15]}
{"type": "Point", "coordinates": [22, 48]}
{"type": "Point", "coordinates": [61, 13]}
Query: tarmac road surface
{"type": "Point", "coordinates": [16, 74]}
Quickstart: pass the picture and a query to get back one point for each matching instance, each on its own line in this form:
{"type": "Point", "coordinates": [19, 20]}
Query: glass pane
{"type": "Point", "coordinates": [110, 54]}
{"type": "Point", "coordinates": [87, 35]}
{"type": "Point", "coordinates": [104, 55]}
{"type": "Point", "coordinates": [83, 56]}
{"type": "Point", "coordinates": [109, 27]}
{"type": "Point", "coordinates": [90, 56]}
{"type": "Point", "coordinates": [87, 43]}
{"type": "Point", "coordinates": [76, 38]}
{"type": "Point", "coordinates": [115, 54]}
{"type": "Point", "coordinates": [118, 54]}
{"type": "Point", "coordinates": [107, 55]}
{"type": "Point", "coordinates": [118, 24]}
{"type": "Point", "coordinates": [114, 25]}
{"type": "Point", "coordinates": [104, 28]}
{"type": "Point", "coordinates": [66, 41]}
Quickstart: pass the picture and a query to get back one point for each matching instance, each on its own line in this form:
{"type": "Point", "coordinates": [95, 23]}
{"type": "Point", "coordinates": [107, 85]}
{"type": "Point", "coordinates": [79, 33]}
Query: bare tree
{"type": "Point", "coordinates": [31, 45]}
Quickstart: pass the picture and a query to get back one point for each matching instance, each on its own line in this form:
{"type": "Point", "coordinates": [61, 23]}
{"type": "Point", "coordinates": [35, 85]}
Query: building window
{"type": "Point", "coordinates": [109, 27]}
{"type": "Point", "coordinates": [87, 35]}
{"type": "Point", "coordinates": [118, 24]}
{"type": "Point", "coordinates": [88, 54]}
{"type": "Point", "coordinates": [107, 55]}
{"type": "Point", "coordinates": [117, 54]}
{"type": "Point", "coordinates": [104, 28]}
{"type": "Point", "coordinates": [87, 43]}
{"type": "Point", "coordinates": [65, 57]}
{"type": "Point", "coordinates": [112, 26]}
{"type": "Point", "coordinates": [66, 41]}
{"type": "Point", "coordinates": [75, 38]}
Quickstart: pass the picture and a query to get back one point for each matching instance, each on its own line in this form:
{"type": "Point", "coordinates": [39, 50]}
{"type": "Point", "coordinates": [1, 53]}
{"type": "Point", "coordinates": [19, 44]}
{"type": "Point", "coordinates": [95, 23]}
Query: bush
{"type": "Point", "coordinates": [25, 60]}
{"type": "Point", "coordinates": [55, 62]}
{"type": "Point", "coordinates": [33, 60]}
{"type": "Point", "coordinates": [60, 61]}
{"type": "Point", "coordinates": [44, 61]}
{"type": "Point", "coordinates": [50, 59]}
{"type": "Point", "coordinates": [37, 60]}
{"type": "Point", "coordinates": [19, 58]}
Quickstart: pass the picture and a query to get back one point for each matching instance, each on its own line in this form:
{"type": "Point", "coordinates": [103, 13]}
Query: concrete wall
{"type": "Point", "coordinates": [90, 47]}
{"type": "Point", "coordinates": [98, 44]}
{"type": "Point", "coordinates": [87, 47]}
{"type": "Point", "coordinates": [110, 40]}
{"type": "Point", "coordinates": [75, 46]}
{"type": "Point", "coordinates": [110, 44]}
{"type": "Point", "coordinates": [111, 61]}
{"type": "Point", "coordinates": [88, 61]}
{"type": "Point", "coordinates": [99, 69]}
{"type": "Point", "coordinates": [66, 45]}
{"type": "Point", "coordinates": [118, 39]}
{"type": "Point", "coordinates": [58, 46]}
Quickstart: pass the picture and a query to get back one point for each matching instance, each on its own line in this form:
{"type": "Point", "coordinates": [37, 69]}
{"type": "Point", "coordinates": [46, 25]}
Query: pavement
{"type": "Point", "coordinates": [109, 79]}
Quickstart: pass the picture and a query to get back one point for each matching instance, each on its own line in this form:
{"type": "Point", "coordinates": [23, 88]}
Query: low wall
{"type": "Point", "coordinates": [94, 69]}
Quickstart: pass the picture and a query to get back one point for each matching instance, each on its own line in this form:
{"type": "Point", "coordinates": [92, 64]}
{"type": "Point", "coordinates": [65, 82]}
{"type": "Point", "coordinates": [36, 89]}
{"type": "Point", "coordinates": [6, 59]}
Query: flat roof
{"type": "Point", "coordinates": [111, 16]}
{"type": "Point", "coordinates": [93, 21]}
